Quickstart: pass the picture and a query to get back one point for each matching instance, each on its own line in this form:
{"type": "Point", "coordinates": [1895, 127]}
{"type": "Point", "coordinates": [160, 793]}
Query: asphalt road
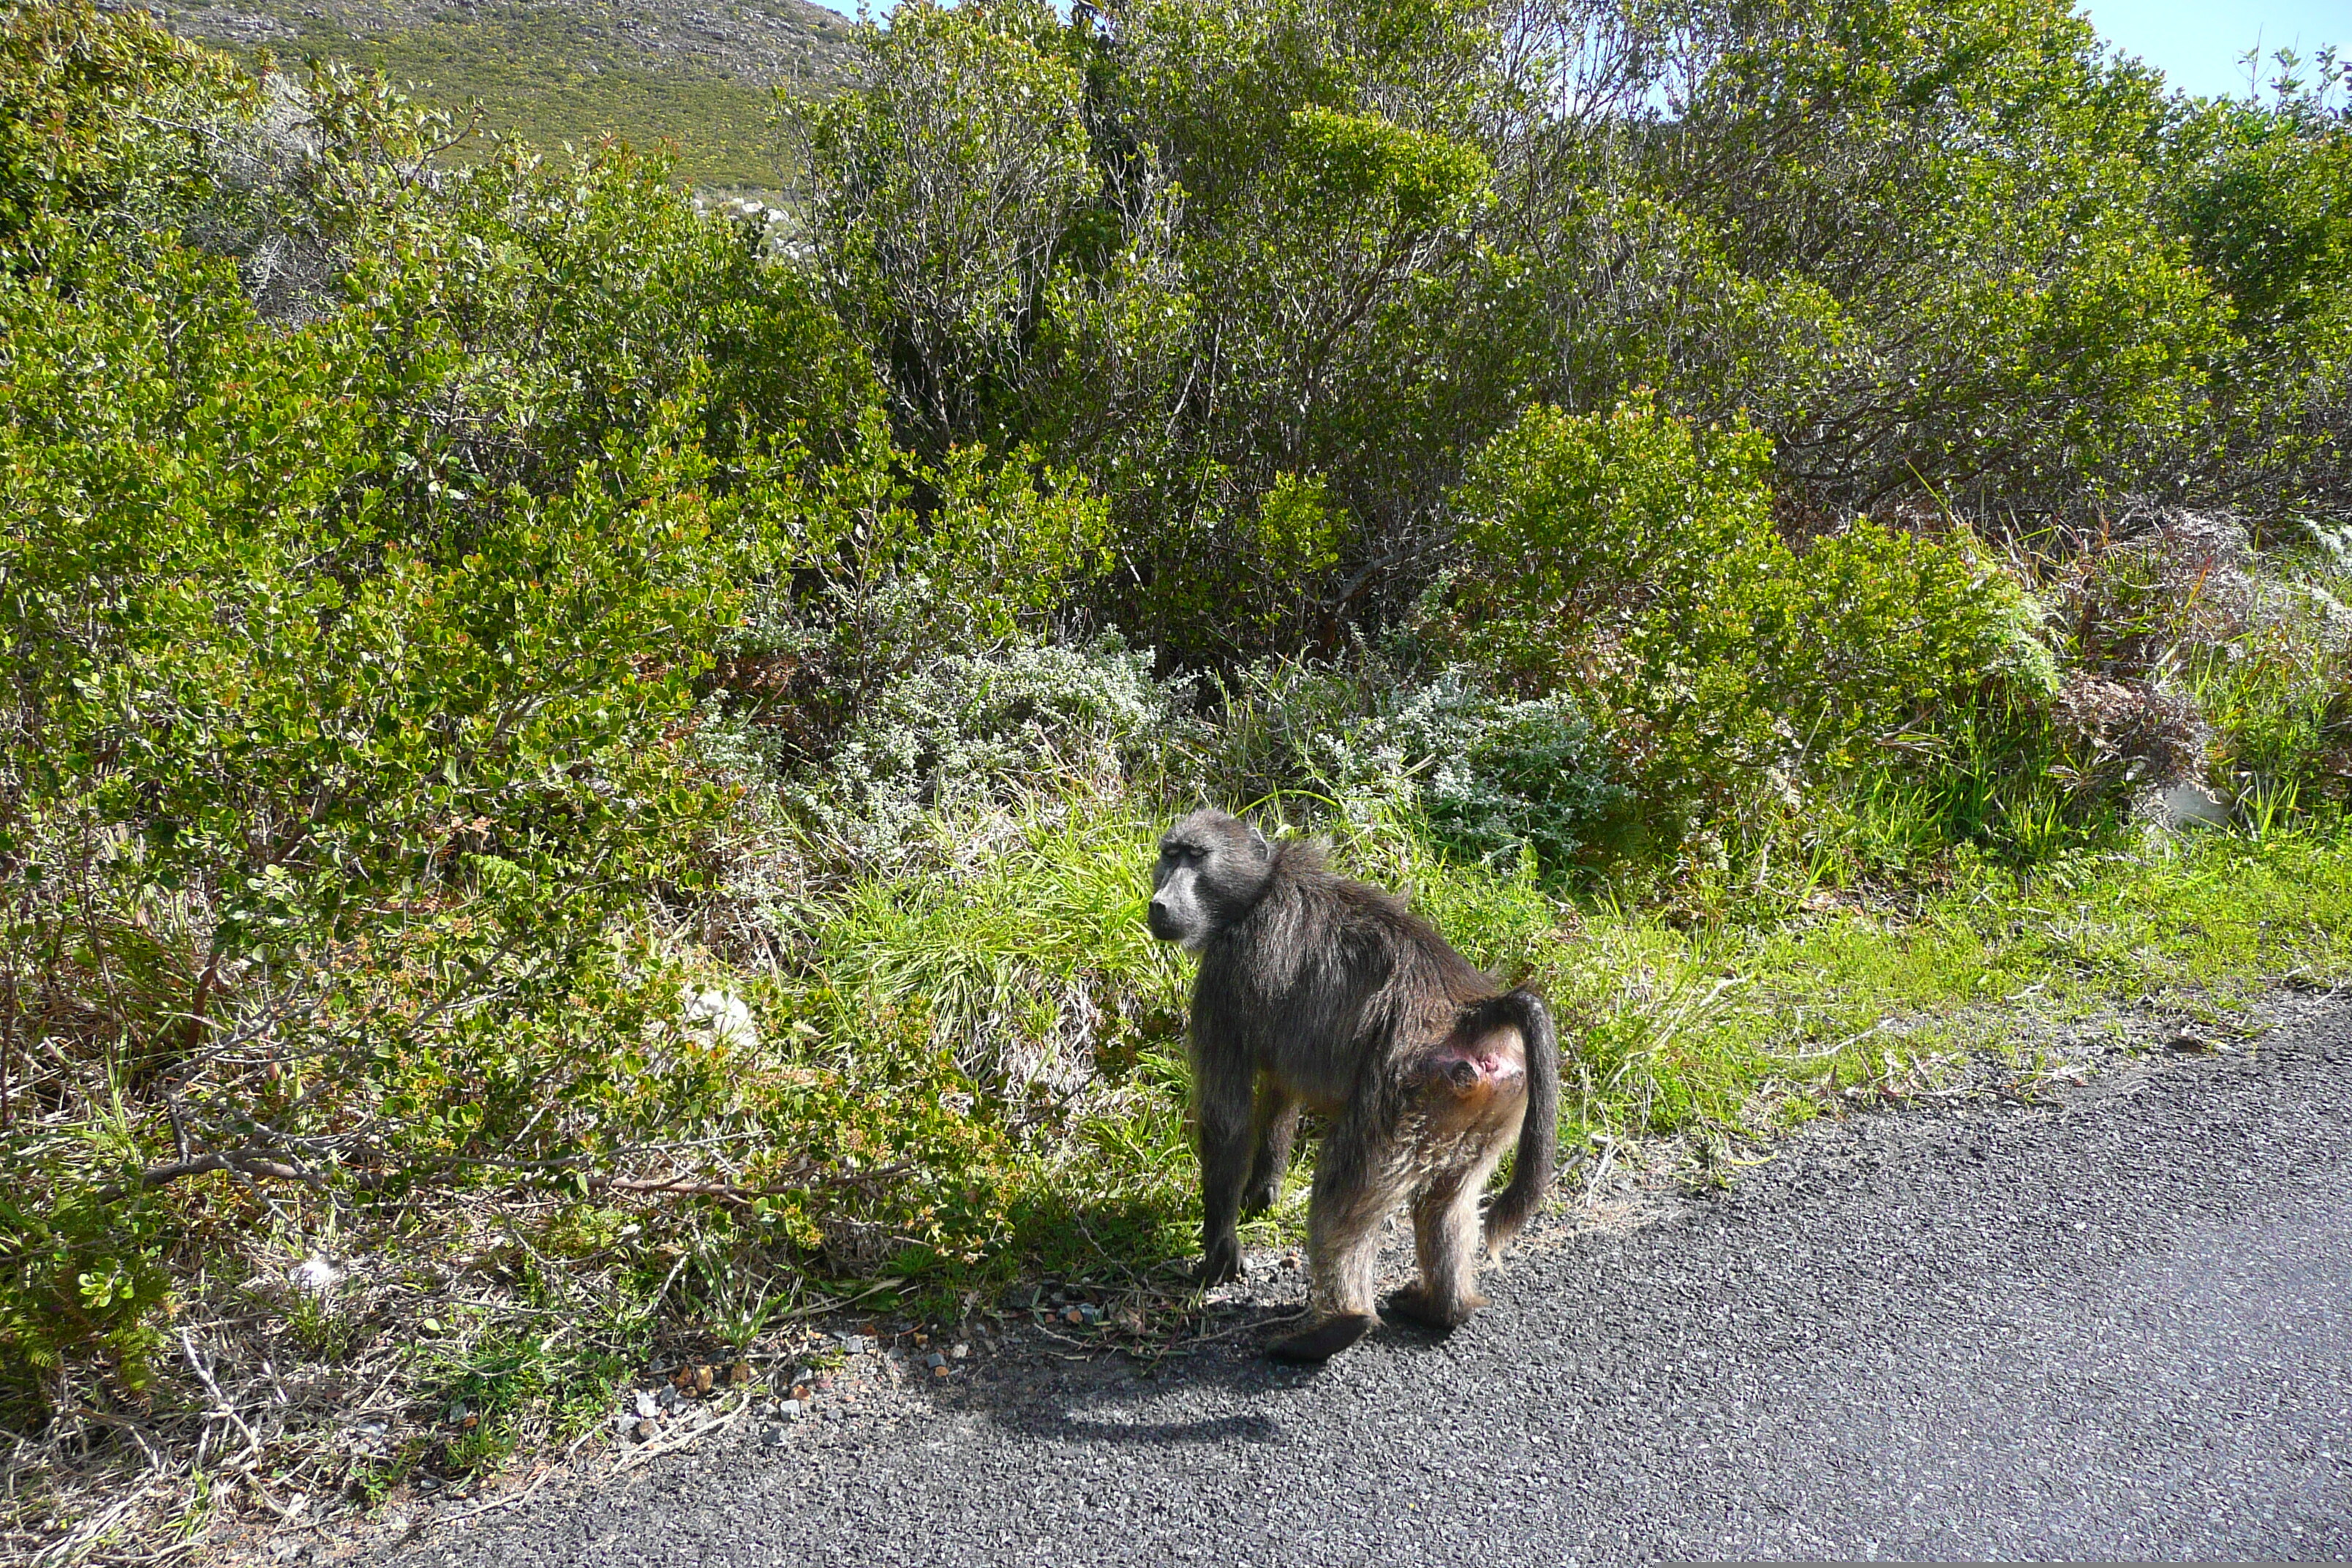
{"type": "Point", "coordinates": [2115, 1327]}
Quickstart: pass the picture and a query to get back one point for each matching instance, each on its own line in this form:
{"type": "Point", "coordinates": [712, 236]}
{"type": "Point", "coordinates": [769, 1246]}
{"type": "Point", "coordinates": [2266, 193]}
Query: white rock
{"type": "Point", "coordinates": [720, 1017]}
{"type": "Point", "coordinates": [2186, 805]}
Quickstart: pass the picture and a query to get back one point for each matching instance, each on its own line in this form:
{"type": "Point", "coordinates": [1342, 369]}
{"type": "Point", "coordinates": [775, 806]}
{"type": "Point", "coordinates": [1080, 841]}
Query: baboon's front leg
{"type": "Point", "coordinates": [1221, 1091]}
{"type": "Point", "coordinates": [1275, 1123]}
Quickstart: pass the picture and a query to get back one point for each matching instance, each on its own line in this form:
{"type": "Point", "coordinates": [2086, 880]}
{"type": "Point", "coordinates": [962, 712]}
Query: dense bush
{"type": "Point", "coordinates": [354, 748]}
{"type": "Point", "coordinates": [108, 128]}
{"type": "Point", "coordinates": [1528, 777]}
{"type": "Point", "coordinates": [1944, 210]}
{"type": "Point", "coordinates": [943, 192]}
{"type": "Point", "coordinates": [287, 794]}
{"type": "Point", "coordinates": [1491, 776]}
{"type": "Point", "coordinates": [2196, 658]}
{"type": "Point", "coordinates": [2259, 197]}
{"type": "Point", "coordinates": [885, 564]}
{"type": "Point", "coordinates": [1319, 250]}
{"type": "Point", "coordinates": [1628, 561]}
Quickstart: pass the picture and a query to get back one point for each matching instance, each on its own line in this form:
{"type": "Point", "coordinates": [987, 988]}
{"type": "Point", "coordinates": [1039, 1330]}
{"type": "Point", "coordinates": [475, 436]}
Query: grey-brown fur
{"type": "Point", "coordinates": [1321, 993]}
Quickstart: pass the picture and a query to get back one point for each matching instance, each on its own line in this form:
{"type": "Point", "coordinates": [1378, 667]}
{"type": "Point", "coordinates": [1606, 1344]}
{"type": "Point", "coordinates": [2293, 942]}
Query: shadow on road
{"type": "Point", "coordinates": [1120, 1398]}
{"type": "Point", "coordinates": [1060, 1426]}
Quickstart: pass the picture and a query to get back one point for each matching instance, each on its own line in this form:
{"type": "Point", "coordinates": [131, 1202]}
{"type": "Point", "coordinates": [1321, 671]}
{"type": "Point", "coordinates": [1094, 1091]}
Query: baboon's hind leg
{"type": "Point", "coordinates": [1448, 1244]}
{"type": "Point", "coordinates": [1342, 1246]}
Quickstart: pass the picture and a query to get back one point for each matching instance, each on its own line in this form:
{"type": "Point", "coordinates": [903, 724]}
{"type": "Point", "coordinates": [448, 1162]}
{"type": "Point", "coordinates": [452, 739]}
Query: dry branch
{"type": "Point", "coordinates": [244, 1161]}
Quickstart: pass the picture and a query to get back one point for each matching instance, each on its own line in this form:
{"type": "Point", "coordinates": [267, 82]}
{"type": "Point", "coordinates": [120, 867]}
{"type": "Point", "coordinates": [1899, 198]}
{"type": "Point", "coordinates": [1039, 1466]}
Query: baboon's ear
{"type": "Point", "coordinates": [1257, 842]}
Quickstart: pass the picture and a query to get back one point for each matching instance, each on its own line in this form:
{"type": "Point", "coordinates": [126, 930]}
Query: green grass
{"type": "Point", "coordinates": [1745, 1022]}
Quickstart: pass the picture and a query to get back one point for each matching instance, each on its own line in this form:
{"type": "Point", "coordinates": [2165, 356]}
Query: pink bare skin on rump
{"type": "Point", "coordinates": [1468, 1068]}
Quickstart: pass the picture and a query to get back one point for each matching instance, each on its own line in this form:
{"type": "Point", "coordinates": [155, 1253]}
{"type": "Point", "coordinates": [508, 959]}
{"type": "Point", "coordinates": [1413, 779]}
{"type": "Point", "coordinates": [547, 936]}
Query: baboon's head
{"type": "Point", "coordinates": [1212, 867]}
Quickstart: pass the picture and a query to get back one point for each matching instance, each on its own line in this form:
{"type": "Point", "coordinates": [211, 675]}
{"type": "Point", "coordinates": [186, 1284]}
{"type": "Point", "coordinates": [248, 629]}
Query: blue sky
{"type": "Point", "coordinates": [2195, 43]}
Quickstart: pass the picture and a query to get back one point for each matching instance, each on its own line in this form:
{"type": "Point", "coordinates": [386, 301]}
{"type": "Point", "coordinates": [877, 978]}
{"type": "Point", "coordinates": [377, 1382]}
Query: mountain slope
{"type": "Point", "coordinates": [697, 74]}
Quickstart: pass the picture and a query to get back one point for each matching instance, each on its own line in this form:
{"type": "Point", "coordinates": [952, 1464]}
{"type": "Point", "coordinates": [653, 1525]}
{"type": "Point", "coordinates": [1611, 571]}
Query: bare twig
{"type": "Point", "coordinates": [257, 1162]}
{"type": "Point", "coordinates": [697, 1186]}
{"type": "Point", "coordinates": [221, 1407]}
{"type": "Point", "coordinates": [513, 1499]}
{"type": "Point", "coordinates": [818, 1308]}
{"type": "Point", "coordinates": [1245, 1326]}
{"type": "Point", "coordinates": [672, 1443]}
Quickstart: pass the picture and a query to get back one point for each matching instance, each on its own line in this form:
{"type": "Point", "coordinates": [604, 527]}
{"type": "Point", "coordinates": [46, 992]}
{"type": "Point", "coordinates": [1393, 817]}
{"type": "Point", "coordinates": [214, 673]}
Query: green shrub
{"type": "Point", "coordinates": [543, 306]}
{"type": "Point", "coordinates": [272, 774]}
{"type": "Point", "coordinates": [2275, 688]}
{"type": "Point", "coordinates": [1992, 313]}
{"type": "Point", "coordinates": [1888, 625]}
{"type": "Point", "coordinates": [887, 563]}
{"type": "Point", "coordinates": [111, 128]}
{"type": "Point", "coordinates": [1046, 726]}
{"type": "Point", "coordinates": [1531, 776]}
{"type": "Point", "coordinates": [942, 187]}
{"type": "Point", "coordinates": [1628, 561]}
{"type": "Point", "coordinates": [1489, 776]}
{"type": "Point", "coordinates": [79, 1277]}
{"type": "Point", "coordinates": [2258, 198]}
{"type": "Point", "coordinates": [1584, 530]}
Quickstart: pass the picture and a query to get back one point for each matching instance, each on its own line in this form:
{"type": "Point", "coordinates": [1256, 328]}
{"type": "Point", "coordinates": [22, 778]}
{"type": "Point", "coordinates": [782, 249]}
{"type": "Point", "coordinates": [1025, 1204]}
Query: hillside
{"type": "Point", "coordinates": [568, 70]}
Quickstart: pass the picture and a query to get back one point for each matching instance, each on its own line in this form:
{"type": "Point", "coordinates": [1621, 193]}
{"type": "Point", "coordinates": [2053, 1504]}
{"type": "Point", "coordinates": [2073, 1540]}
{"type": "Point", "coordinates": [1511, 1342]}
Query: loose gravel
{"type": "Point", "coordinates": [2117, 1325]}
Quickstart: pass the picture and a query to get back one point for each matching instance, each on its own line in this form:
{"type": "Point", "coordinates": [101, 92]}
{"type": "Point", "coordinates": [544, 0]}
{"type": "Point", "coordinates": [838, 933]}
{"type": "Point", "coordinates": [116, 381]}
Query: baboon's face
{"type": "Point", "coordinates": [1210, 869]}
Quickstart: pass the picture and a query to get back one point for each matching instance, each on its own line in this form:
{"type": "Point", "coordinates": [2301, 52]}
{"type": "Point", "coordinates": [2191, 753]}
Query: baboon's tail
{"type": "Point", "coordinates": [1539, 1132]}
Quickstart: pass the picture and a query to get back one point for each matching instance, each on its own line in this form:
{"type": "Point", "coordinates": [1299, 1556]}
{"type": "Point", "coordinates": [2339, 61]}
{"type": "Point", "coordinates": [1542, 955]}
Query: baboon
{"type": "Point", "coordinates": [1320, 994]}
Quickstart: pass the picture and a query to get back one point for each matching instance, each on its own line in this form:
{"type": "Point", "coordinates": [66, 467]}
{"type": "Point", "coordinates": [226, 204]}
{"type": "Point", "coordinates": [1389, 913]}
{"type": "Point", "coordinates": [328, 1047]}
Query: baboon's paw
{"type": "Point", "coordinates": [1260, 1199]}
{"type": "Point", "coordinates": [1220, 1264]}
{"type": "Point", "coordinates": [1325, 1340]}
{"type": "Point", "coordinates": [1415, 1304]}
